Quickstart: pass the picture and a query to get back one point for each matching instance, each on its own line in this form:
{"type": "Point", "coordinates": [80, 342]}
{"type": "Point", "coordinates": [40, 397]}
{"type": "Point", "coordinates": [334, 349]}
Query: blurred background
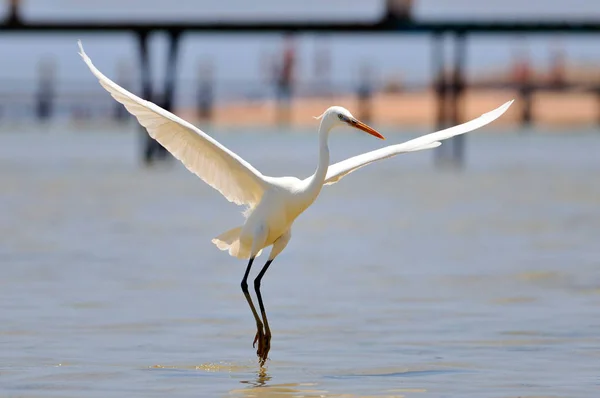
{"type": "Point", "coordinates": [245, 79]}
{"type": "Point", "coordinates": [468, 270]}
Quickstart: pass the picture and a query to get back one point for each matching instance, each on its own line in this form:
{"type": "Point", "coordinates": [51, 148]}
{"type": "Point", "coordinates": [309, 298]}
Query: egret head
{"type": "Point", "coordinates": [336, 116]}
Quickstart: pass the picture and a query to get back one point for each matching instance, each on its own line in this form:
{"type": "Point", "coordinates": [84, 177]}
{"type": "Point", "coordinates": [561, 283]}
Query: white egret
{"type": "Point", "coordinates": [273, 203]}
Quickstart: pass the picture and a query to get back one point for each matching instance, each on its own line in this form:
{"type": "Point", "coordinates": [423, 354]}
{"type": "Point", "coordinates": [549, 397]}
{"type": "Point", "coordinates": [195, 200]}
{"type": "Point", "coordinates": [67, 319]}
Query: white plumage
{"type": "Point", "coordinates": [216, 165]}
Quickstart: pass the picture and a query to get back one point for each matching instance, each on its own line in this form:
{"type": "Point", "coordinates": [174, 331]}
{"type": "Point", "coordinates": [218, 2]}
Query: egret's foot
{"type": "Point", "coordinates": [264, 346]}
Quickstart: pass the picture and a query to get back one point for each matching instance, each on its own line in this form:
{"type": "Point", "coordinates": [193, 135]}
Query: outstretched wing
{"type": "Point", "coordinates": [337, 171]}
{"type": "Point", "coordinates": [216, 165]}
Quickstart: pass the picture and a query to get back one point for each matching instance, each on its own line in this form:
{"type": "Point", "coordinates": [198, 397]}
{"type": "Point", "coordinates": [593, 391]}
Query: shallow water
{"type": "Point", "coordinates": [401, 280]}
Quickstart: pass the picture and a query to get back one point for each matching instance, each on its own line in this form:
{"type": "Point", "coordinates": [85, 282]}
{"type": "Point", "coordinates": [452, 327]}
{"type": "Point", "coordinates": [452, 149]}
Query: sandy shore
{"type": "Point", "coordinates": [418, 109]}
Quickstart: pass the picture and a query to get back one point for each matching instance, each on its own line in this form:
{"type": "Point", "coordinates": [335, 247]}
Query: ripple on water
{"type": "Point", "coordinates": [223, 367]}
{"type": "Point", "coordinates": [404, 372]}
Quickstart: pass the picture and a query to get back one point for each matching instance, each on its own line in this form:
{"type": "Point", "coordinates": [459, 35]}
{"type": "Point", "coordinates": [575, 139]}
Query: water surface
{"type": "Point", "coordinates": [401, 280]}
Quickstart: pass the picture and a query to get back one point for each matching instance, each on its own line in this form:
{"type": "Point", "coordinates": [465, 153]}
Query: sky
{"type": "Point", "coordinates": [239, 60]}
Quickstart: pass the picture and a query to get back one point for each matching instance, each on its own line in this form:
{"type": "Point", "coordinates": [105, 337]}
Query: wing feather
{"type": "Point", "coordinates": [201, 154]}
{"type": "Point", "coordinates": [337, 171]}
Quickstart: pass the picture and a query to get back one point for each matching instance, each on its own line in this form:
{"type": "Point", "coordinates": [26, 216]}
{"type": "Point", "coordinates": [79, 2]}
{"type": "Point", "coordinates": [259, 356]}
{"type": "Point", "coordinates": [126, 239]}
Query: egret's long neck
{"type": "Point", "coordinates": [317, 179]}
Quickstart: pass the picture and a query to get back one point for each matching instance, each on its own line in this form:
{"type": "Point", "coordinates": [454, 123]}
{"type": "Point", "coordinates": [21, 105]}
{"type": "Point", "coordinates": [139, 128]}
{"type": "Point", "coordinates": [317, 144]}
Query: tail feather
{"type": "Point", "coordinates": [230, 241]}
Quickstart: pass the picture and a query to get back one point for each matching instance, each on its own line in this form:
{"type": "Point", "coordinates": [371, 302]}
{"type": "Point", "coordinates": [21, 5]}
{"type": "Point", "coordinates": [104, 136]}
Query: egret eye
{"type": "Point", "coordinates": [340, 116]}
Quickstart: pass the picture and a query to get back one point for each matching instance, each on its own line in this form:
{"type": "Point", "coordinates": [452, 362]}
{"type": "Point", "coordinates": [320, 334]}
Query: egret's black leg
{"type": "Point", "coordinates": [266, 346]}
{"type": "Point", "coordinates": [259, 325]}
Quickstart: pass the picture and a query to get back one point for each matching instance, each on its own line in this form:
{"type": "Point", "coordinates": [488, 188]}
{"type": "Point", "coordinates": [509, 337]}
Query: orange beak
{"type": "Point", "coordinates": [367, 129]}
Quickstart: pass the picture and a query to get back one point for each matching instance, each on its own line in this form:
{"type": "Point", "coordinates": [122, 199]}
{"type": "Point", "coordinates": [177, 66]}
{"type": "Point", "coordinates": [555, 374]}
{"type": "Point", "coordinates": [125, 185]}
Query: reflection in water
{"type": "Point", "coordinates": [259, 387]}
{"type": "Point", "coordinates": [261, 378]}
{"type": "Point", "coordinates": [286, 390]}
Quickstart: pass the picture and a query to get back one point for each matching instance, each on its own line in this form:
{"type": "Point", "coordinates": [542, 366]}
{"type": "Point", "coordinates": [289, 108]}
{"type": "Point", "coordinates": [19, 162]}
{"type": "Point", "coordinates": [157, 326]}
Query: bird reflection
{"type": "Point", "coordinates": [259, 387]}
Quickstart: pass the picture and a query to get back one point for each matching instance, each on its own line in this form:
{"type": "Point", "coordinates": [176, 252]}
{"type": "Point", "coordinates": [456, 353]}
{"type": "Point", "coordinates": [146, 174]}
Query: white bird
{"type": "Point", "coordinates": [273, 203]}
